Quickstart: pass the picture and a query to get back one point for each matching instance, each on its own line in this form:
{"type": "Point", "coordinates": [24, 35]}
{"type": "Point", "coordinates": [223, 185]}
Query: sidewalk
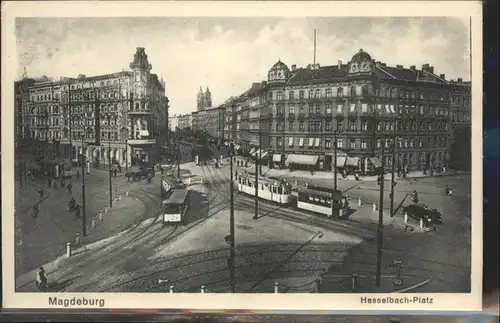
{"type": "Point", "coordinates": [41, 239]}
{"type": "Point", "coordinates": [286, 173]}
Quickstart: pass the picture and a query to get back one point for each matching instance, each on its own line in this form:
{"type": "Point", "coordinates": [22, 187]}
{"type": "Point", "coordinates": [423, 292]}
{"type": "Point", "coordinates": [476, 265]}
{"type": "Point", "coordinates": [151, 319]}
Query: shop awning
{"type": "Point", "coordinates": [252, 151]}
{"type": "Point", "coordinates": [277, 158]}
{"type": "Point", "coordinates": [352, 161]}
{"type": "Point", "coordinates": [144, 133]}
{"type": "Point", "coordinates": [375, 162]}
{"type": "Point", "coordinates": [302, 159]}
{"type": "Point", "coordinates": [290, 142]}
{"type": "Point", "coordinates": [264, 154]}
{"type": "Point", "coordinates": [341, 161]}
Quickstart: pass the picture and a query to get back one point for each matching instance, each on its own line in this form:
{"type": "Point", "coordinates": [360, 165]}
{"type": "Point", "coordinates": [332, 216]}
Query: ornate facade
{"type": "Point", "coordinates": [363, 106]}
{"type": "Point", "coordinates": [124, 111]}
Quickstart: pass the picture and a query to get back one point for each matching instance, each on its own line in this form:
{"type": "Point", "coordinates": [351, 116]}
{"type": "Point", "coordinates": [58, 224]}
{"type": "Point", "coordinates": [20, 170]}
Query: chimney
{"type": "Point", "coordinates": [431, 69]}
{"type": "Point", "coordinates": [339, 64]}
{"type": "Point", "coordinates": [442, 76]}
{"type": "Point", "coordinates": [459, 80]}
{"type": "Point", "coordinates": [309, 66]}
{"type": "Point", "coordinates": [413, 67]}
{"type": "Point", "coordinates": [294, 67]}
{"type": "Point", "coordinates": [399, 66]}
{"type": "Point", "coordinates": [425, 67]}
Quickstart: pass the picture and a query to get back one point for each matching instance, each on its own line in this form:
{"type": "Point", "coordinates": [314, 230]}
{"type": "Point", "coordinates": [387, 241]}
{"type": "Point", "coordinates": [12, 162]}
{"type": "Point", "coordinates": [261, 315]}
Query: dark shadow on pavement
{"type": "Point", "coordinates": [198, 207]}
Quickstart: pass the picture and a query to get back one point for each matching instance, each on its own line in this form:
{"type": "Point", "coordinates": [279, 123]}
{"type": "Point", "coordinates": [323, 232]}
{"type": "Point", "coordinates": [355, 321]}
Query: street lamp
{"type": "Point", "coordinates": [124, 135]}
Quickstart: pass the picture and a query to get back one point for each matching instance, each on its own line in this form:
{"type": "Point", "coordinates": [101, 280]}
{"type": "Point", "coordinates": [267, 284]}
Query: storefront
{"type": "Point", "coordinates": [54, 167]}
{"type": "Point", "coordinates": [372, 164]}
{"type": "Point", "coordinates": [302, 162]}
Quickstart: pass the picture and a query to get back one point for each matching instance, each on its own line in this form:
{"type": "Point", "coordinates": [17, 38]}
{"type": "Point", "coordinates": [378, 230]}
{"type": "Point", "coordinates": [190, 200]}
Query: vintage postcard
{"type": "Point", "coordinates": [242, 155]}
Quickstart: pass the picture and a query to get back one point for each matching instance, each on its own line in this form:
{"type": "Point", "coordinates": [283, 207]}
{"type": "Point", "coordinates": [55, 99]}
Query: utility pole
{"type": "Point", "coordinates": [393, 183]}
{"type": "Point", "coordinates": [84, 215]}
{"type": "Point", "coordinates": [232, 272]}
{"type": "Point", "coordinates": [257, 159]}
{"type": "Point", "coordinates": [178, 154]}
{"type": "Point", "coordinates": [335, 161]}
{"type": "Point", "coordinates": [380, 228]}
{"type": "Point", "coordinates": [110, 177]}
{"type": "Point", "coordinates": [260, 145]}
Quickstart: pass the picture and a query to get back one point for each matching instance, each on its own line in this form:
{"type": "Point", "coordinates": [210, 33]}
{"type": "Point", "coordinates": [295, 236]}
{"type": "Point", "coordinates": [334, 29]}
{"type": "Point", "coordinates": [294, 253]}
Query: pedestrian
{"type": "Point", "coordinates": [41, 280]}
{"type": "Point", "coordinates": [78, 174]}
{"type": "Point", "coordinates": [41, 192]}
{"type": "Point", "coordinates": [77, 211]}
{"type": "Point", "coordinates": [434, 227]}
{"type": "Point", "coordinates": [70, 187]}
{"type": "Point", "coordinates": [116, 171]}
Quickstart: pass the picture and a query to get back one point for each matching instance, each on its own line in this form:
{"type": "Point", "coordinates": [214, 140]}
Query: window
{"type": "Point", "coordinates": [317, 109]}
{"type": "Point", "coordinates": [290, 125]}
{"type": "Point", "coordinates": [420, 143]}
{"type": "Point", "coordinates": [301, 108]}
{"type": "Point", "coordinates": [364, 107]}
{"type": "Point", "coordinates": [301, 125]}
{"type": "Point", "coordinates": [279, 141]}
{"type": "Point", "coordinates": [270, 95]}
{"type": "Point", "coordinates": [311, 94]}
{"type": "Point", "coordinates": [340, 126]}
{"type": "Point", "coordinates": [352, 143]}
{"type": "Point", "coordinates": [352, 125]}
{"type": "Point", "coordinates": [291, 109]}
{"type": "Point", "coordinates": [352, 107]}
{"type": "Point", "coordinates": [317, 94]}
{"type": "Point", "coordinates": [340, 143]}
{"type": "Point", "coordinates": [353, 91]}
{"type": "Point", "coordinates": [301, 94]}
{"type": "Point", "coordinates": [290, 95]}
{"type": "Point", "coordinates": [328, 125]}
{"type": "Point", "coordinates": [379, 125]}
{"type": "Point", "coordinates": [328, 93]}
{"type": "Point", "coordinates": [279, 96]}
{"type": "Point", "coordinates": [340, 107]}
{"type": "Point", "coordinates": [311, 109]}
{"type": "Point", "coordinates": [364, 125]}
{"type": "Point", "coordinates": [310, 125]}
{"type": "Point", "coordinates": [328, 108]}
{"type": "Point", "coordinates": [340, 92]}
{"type": "Point", "coordinates": [328, 143]}
{"type": "Point", "coordinates": [363, 144]}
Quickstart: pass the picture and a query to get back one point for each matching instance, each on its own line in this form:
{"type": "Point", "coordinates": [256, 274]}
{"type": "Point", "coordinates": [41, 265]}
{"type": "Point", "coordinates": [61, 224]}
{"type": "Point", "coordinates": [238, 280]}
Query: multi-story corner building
{"type": "Point", "coordinates": [185, 121]}
{"type": "Point", "coordinates": [363, 107]}
{"type": "Point", "coordinates": [124, 111]}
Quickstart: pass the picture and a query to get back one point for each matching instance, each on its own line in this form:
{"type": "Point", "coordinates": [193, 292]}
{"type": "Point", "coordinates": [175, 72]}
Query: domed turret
{"type": "Point", "coordinates": [361, 62]}
{"type": "Point", "coordinates": [278, 73]}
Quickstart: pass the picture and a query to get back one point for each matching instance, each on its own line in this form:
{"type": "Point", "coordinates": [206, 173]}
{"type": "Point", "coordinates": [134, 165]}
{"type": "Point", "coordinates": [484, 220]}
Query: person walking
{"type": "Point", "coordinates": [40, 192]}
{"type": "Point", "coordinates": [70, 187]}
{"type": "Point", "coordinates": [41, 280]}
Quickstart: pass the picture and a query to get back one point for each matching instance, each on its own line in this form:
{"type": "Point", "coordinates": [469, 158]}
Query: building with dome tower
{"type": "Point", "coordinates": [124, 111]}
{"type": "Point", "coordinates": [361, 106]}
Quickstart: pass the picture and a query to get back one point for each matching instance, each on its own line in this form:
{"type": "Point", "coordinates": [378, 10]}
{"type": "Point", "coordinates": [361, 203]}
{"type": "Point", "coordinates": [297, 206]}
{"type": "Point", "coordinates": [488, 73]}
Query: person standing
{"type": "Point", "coordinates": [41, 280]}
{"type": "Point", "coordinates": [70, 187]}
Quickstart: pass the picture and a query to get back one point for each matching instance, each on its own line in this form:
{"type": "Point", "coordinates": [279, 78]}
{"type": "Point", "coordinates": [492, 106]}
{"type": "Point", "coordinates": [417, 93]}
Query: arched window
{"type": "Point", "coordinates": [340, 92]}
{"type": "Point", "coordinates": [364, 90]}
{"type": "Point", "coordinates": [328, 93]}
{"type": "Point", "coordinates": [301, 94]}
{"type": "Point", "coordinates": [318, 93]}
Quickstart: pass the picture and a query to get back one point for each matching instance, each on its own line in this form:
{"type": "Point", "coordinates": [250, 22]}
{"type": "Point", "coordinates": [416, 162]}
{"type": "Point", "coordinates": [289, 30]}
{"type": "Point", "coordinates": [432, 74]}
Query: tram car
{"type": "Point", "coordinates": [274, 191]}
{"type": "Point", "coordinates": [175, 206]}
{"type": "Point", "coordinates": [324, 201]}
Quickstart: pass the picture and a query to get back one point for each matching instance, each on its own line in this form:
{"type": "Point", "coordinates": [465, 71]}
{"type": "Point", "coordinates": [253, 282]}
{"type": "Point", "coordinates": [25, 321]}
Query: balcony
{"type": "Point", "coordinates": [280, 116]}
{"type": "Point", "coordinates": [291, 116]}
{"type": "Point", "coordinates": [302, 116]}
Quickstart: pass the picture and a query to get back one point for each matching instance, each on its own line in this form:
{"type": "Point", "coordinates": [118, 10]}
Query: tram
{"type": "Point", "coordinates": [168, 184]}
{"type": "Point", "coordinates": [323, 201]}
{"type": "Point", "coordinates": [275, 191]}
{"type": "Point", "coordinates": [175, 207]}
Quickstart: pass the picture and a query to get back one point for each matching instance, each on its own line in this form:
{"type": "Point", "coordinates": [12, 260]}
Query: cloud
{"type": "Point", "coordinates": [228, 54]}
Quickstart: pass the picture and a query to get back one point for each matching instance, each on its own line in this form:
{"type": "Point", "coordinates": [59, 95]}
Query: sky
{"type": "Point", "coordinates": [228, 54]}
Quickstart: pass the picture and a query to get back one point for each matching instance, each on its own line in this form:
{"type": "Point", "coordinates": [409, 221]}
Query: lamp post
{"type": "Point", "coordinates": [84, 215]}
{"type": "Point", "coordinates": [110, 175]}
{"type": "Point", "coordinates": [124, 133]}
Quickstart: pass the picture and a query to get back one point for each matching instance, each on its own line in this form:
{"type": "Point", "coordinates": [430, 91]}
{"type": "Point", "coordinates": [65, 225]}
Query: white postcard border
{"type": "Point", "coordinates": [11, 10]}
